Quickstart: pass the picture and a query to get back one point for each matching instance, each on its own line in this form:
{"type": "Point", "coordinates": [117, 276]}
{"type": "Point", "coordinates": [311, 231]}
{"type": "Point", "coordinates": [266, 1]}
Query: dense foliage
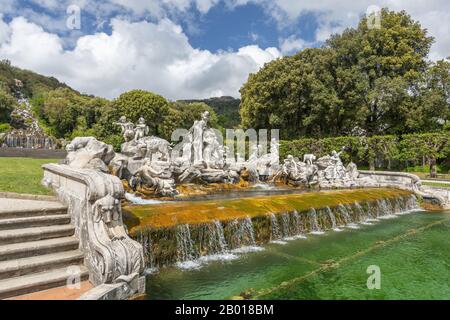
{"type": "Point", "coordinates": [226, 108]}
{"type": "Point", "coordinates": [33, 83]}
{"type": "Point", "coordinates": [386, 152]}
{"type": "Point", "coordinates": [371, 81]}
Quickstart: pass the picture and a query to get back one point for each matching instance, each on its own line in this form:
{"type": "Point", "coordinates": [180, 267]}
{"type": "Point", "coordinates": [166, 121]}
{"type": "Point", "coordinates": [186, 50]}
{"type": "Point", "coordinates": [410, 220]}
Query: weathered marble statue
{"type": "Point", "coordinates": [89, 153]}
{"type": "Point", "coordinates": [295, 172]}
{"type": "Point", "coordinates": [141, 129]}
{"type": "Point", "coordinates": [154, 177]}
{"type": "Point", "coordinates": [127, 128]}
{"type": "Point", "coordinates": [197, 131]}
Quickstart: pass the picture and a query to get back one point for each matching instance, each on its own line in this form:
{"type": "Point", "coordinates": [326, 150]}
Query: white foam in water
{"type": "Point", "coordinates": [300, 236]}
{"type": "Point", "coordinates": [409, 211]}
{"type": "Point", "coordinates": [279, 242]}
{"type": "Point", "coordinates": [138, 200]}
{"type": "Point", "coordinates": [317, 232]}
{"type": "Point", "coordinates": [352, 226]}
{"type": "Point", "coordinates": [218, 257]}
{"type": "Point", "coordinates": [148, 271]}
{"type": "Point", "coordinates": [388, 216]}
{"type": "Point", "coordinates": [337, 229]}
{"type": "Point", "coordinates": [247, 249]}
{"type": "Point", "coordinates": [366, 223]}
{"type": "Point", "coordinates": [189, 265]}
{"type": "Point", "coordinates": [263, 186]}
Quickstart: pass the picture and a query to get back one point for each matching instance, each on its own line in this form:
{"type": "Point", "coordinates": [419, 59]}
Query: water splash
{"type": "Point", "coordinates": [138, 200]}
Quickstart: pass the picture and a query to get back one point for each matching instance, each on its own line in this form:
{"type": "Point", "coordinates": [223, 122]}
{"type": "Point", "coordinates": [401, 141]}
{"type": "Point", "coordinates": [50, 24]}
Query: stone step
{"type": "Point", "coordinates": [34, 234]}
{"type": "Point", "coordinates": [29, 222]}
{"type": "Point", "coordinates": [24, 266]}
{"type": "Point", "coordinates": [34, 248]}
{"type": "Point", "coordinates": [39, 281]}
{"type": "Point", "coordinates": [12, 214]}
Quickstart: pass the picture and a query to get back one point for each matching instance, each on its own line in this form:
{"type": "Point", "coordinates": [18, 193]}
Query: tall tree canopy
{"type": "Point", "coordinates": [375, 80]}
{"type": "Point", "coordinates": [139, 103]}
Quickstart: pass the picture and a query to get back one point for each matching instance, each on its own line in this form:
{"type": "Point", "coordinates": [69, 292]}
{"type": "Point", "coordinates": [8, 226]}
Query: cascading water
{"type": "Point", "coordinates": [313, 222]}
{"type": "Point", "coordinates": [344, 214]}
{"type": "Point", "coordinates": [285, 225]}
{"type": "Point", "coordinates": [361, 213]}
{"type": "Point", "coordinates": [186, 251]}
{"type": "Point", "coordinates": [248, 230]}
{"type": "Point", "coordinates": [215, 238]}
{"type": "Point", "coordinates": [297, 226]}
{"type": "Point", "coordinates": [332, 217]}
{"type": "Point", "coordinates": [276, 232]}
{"type": "Point", "coordinates": [191, 245]}
{"type": "Point", "coordinates": [241, 233]}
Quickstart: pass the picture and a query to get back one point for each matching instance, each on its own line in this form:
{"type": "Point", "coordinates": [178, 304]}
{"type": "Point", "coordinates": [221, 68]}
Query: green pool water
{"type": "Point", "coordinates": [412, 252]}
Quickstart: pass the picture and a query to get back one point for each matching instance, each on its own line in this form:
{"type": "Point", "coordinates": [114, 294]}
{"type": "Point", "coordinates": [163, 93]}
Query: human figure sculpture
{"type": "Point", "coordinates": [210, 148]}
{"type": "Point", "coordinates": [197, 131]}
{"type": "Point", "coordinates": [153, 177]}
{"type": "Point", "coordinates": [141, 129]}
{"type": "Point", "coordinates": [127, 128]}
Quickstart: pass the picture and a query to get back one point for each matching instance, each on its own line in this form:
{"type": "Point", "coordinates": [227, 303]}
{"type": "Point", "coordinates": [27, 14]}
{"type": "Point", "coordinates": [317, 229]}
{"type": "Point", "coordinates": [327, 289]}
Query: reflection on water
{"type": "Point", "coordinates": [411, 251]}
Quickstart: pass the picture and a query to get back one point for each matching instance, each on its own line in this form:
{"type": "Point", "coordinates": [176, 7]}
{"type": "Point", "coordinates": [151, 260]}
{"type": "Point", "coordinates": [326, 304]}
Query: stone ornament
{"type": "Point", "coordinates": [93, 200]}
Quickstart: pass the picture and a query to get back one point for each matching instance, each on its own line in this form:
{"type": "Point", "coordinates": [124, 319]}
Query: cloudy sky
{"type": "Point", "coordinates": [181, 48]}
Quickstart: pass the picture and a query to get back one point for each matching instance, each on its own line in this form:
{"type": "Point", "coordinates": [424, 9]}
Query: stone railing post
{"type": "Point", "coordinates": [93, 200]}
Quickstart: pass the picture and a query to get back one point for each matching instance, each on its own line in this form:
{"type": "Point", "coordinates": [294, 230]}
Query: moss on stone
{"type": "Point", "coordinates": [167, 215]}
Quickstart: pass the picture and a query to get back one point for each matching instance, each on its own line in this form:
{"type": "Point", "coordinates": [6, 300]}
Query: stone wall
{"type": "Point", "coordinates": [32, 153]}
{"type": "Point", "coordinates": [435, 196]}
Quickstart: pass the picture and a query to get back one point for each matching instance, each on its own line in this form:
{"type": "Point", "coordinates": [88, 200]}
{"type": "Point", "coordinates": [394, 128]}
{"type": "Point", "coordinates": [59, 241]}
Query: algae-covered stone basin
{"type": "Point", "coordinates": [168, 214]}
{"type": "Point", "coordinates": [411, 251]}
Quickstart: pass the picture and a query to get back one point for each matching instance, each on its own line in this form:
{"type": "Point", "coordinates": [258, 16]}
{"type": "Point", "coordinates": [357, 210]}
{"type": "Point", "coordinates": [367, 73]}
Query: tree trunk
{"type": "Point", "coordinates": [389, 164]}
{"type": "Point", "coordinates": [433, 168]}
{"type": "Point", "coordinates": [371, 165]}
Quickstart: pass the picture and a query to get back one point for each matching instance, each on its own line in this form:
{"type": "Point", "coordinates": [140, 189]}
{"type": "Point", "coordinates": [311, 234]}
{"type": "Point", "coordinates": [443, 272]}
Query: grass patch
{"type": "Point", "coordinates": [198, 212]}
{"type": "Point", "coordinates": [436, 184]}
{"type": "Point", "coordinates": [23, 175]}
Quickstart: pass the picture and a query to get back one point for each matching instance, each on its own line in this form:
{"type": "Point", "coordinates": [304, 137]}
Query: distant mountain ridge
{"type": "Point", "coordinates": [227, 109]}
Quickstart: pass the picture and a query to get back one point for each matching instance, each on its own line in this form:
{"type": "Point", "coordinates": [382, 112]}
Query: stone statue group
{"type": "Point", "coordinates": [327, 172]}
{"type": "Point", "coordinates": [201, 158]}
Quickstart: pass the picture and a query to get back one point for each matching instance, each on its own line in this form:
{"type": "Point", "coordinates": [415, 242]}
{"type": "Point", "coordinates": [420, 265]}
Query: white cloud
{"type": "Point", "coordinates": [152, 56]}
{"type": "Point", "coordinates": [293, 44]}
{"type": "Point", "coordinates": [4, 30]}
{"type": "Point", "coordinates": [335, 16]}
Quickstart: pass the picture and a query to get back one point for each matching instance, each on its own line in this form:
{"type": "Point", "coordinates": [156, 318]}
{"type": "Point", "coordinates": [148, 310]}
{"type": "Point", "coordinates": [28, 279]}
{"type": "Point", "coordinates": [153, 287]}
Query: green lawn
{"type": "Point", "coordinates": [23, 175]}
{"type": "Point", "coordinates": [436, 184]}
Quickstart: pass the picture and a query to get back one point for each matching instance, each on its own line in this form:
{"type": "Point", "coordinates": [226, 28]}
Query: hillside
{"type": "Point", "coordinates": [32, 83]}
{"type": "Point", "coordinates": [227, 109]}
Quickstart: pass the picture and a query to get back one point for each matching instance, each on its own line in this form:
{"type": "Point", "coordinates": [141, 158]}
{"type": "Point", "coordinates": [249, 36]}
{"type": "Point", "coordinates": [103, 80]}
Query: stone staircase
{"type": "Point", "coordinates": [37, 245]}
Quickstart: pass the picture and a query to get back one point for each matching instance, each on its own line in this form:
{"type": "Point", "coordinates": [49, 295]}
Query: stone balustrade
{"type": "Point", "coordinates": [93, 200]}
{"type": "Point", "coordinates": [406, 181]}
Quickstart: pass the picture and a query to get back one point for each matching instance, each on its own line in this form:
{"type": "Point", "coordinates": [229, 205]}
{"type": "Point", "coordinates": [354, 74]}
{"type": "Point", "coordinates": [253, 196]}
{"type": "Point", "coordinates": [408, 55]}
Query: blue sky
{"type": "Point", "coordinates": [182, 48]}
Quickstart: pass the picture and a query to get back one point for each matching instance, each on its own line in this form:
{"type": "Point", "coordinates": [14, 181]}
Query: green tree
{"type": "Point", "coordinates": [7, 104]}
{"type": "Point", "coordinates": [182, 115]}
{"type": "Point", "coordinates": [432, 146]}
{"type": "Point", "coordinates": [139, 103]}
{"type": "Point", "coordinates": [361, 78]}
